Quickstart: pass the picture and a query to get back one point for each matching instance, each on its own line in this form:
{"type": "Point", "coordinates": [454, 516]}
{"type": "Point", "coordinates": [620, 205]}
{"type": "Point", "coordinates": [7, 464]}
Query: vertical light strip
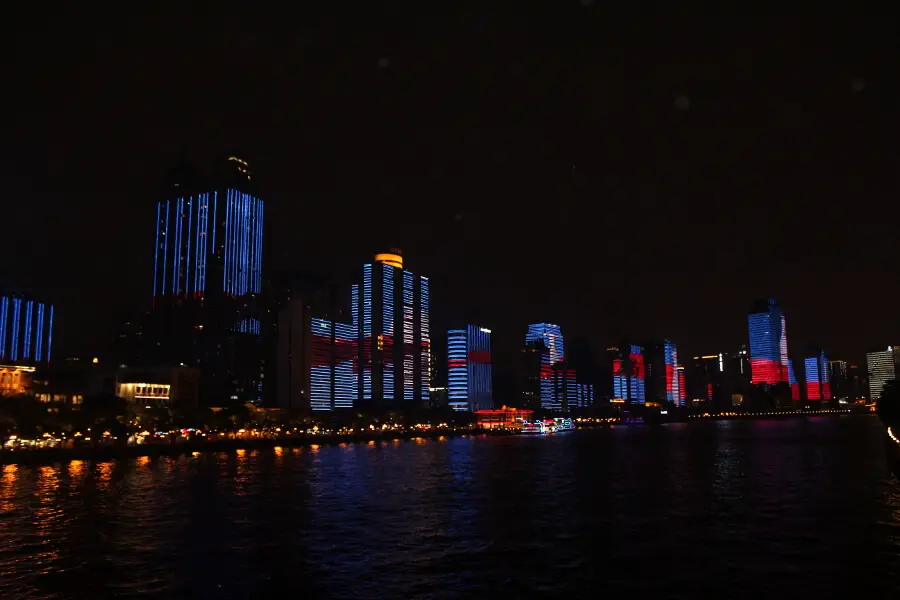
{"type": "Point", "coordinates": [156, 249]}
{"type": "Point", "coordinates": [425, 337]}
{"type": "Point", "coordinates": [50, 334]}
{"type": "Point", "coordinates": [38, 346]}
{"type": "Point", "coordinates": [225, 272]}
{"type": "Point", "coordinates": [29, 314]}
{"type": "Point", "coordinates": [367, 332]}
{"type": "Point", "coordinates": [4, 318]}
{"type": "Point", "coordinates": [215, 221]}
{"type": "Point", "coordinates": [17, 316]}
{"type": "Point", "coordinates": [165, 252]}
{"type": "Point", "coordinates": [187, 277]}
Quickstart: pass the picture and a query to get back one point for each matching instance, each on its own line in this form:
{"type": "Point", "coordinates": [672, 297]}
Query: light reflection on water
{"type": "Point", "coordinates": [720, 509]}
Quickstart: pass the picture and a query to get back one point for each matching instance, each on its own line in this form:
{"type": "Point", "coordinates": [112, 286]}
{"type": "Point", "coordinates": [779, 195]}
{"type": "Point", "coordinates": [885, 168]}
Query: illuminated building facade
{"type": "Point", "coordinates": [469, 383]}
{"type": "Point", "coordinates": [333, 371]}
{"type": "Point", "coordinates": [882, 367]}
{"type": "Point", "coordinates": [682, 386]}
{"type": "Point", "coordinates": [392, 312]}
{"type": "Point", "coordinates": [838, 372]}
{"type": "Point", "coordinates": [207, 280]}
{"type": "Point", "coordinates": [26, 331]}
{"type": "Point", "coordinates": [818, 377]}
{"type": "Point", "coordinates": [629, 374]}
{"type": "Point", "coordinates": [550, 337]}
{"type": "Point", "coordinates": [768, 343]}
{"type": "Point", "coordinates": [792, 380]}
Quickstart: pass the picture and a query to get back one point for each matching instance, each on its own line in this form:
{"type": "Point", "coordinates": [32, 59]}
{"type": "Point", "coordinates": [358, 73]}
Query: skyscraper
{"type": "Point", "coordinates": [882, 367]}
{"type": "Point", "coordinates": [768, 343]}
{"type": "Point", "coordinates": [792, 380]}
{"type": "Point", "coordinates": [551, 338]}
{"type": "Point", "coordinates": [391, 310]}
{"type": "Point", "coordinates": [628, 371]}
{"type": "Point", "coordinates": [818, 376]}
{"type": "Point", "coordinates": [207, 277]}
{"type": "Point", "coordinates": [26, 330]}
{"type": "Point", "coordinates": [839, 374]}
{"type": "Point", "coordinates": [469, 368]}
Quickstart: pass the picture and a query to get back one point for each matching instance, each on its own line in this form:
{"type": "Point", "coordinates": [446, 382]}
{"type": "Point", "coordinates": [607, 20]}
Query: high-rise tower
{"type": "Point", "coordinates": [469, 384]}
{"type": "Point", "coordinates": [392, 314]}
{"type": "Point", "coordinates": [768, 343]}
{"type": "Point", "coordinates": [554, 351]}
{"type": "Point", "coordinates": [207, 279]}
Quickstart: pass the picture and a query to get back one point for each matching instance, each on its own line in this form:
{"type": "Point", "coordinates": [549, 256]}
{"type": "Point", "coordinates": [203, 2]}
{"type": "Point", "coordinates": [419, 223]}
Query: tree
{"type": "Point", "coordinates": [888, 404]}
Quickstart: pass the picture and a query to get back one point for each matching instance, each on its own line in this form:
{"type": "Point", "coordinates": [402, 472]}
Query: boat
{"type": "Point", "coordinates": [542, 426]}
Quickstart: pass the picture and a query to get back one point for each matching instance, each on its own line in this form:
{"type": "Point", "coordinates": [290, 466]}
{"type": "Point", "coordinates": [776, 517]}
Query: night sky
{"type": "Point", "coordinates": [606, 166]}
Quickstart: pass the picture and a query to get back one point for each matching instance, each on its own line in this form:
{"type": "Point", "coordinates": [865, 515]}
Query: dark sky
{"type": "Point", "coordinates": [609, 166]}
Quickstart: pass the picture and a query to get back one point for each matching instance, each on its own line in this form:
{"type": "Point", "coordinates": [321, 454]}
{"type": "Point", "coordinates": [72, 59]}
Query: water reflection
{"type": "Point", "coordinates": [753, 507]}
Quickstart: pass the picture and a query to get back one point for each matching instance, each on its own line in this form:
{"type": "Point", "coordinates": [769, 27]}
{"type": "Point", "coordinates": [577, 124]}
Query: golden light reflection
{"type": "Point", "coordinates": [76, 469]}
{"type": "Point", "coordinates": [8, 489]}
{"type": "Point", "coordinates": [371, 443]}
{"type": "Point", "coordinates": [103, 475]}
{"type": "Point", "coordinates": [314, 447]}
{"type": "Point", "coordinates": [143, 461]}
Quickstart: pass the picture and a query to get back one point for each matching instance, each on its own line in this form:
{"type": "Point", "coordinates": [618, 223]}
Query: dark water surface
{"type": "Point", "coordinates": [731, 509]}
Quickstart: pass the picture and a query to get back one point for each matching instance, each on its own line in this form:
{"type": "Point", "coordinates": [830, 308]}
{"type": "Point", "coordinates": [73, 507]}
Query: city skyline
{"type": "Point", "coordinates": [638, 192]}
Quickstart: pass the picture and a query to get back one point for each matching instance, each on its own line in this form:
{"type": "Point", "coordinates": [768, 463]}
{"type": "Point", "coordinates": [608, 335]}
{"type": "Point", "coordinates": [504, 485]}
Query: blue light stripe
{"type": "Point", "coordinates": [17, 316]}
{"type": "Point", "coordinates": [165, 253]}
{"type": "Point", "coordinates": [227, 249]}
{"type": "Point", "coordinates": [187, 276]}
{"type": "Point", "coordinates": [29, 314]}
{"type": "Point", "coordinates": [50, 334]}
{"type": "Point", "coordinates": [4, 318]}
{"type": "Point", "coordinates": [38, 346]}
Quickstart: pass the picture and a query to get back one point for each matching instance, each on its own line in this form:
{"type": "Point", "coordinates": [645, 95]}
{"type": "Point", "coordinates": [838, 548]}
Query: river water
{"type": "Point", "coordinates": [729, 509]}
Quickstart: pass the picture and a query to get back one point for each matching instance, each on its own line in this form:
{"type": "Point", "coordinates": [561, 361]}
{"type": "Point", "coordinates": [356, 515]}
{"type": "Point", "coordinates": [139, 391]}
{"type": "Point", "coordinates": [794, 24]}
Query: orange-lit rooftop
{"type": "Point", "coordinates": [392, 258]}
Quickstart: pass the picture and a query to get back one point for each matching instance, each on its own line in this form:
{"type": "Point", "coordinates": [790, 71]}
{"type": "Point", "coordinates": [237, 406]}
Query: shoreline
{"type": "Point", "coordinates": [108, 453]}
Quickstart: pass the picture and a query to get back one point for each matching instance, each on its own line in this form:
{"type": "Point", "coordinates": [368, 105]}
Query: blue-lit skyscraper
{"type": "Point", "coordinates": [207, 282]}
{"type": "Point", "coordinates": [768, 343]}
{"type": "Point", "coordinates": [469, 383]}
{"type": "Point", "coordinates": [818, 376]}
{"type": "Point", "coordinates": [391, 308]}
{"type": "Point", "coordinates": [629, 373]}
{"type": "Point", "coordinates": [551, 338]}
{"type": "Point", "coordinates": [26, 331]}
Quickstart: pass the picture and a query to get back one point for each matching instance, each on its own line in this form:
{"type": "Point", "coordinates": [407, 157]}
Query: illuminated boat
{"type": "Point", "coordinates": [541, 426]}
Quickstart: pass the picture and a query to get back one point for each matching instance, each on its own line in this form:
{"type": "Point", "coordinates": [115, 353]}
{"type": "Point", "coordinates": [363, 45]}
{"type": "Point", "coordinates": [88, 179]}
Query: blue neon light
{"type": "Point", "coordinates": [40, 333]}
{"type": "Point", "coordinates": [165, 251]}
{"type": "Point", "coordinates": [387, 274]}
{"type": "Point", "coordinates": [4, 318]}
{"type": "Point", "coordinates": [367, 332]}
{"type": "Point", "coordinates": [17, 315]}
{"type": "Point", "coordinates": [50, 334]}
{"type": "Point", "coordinates": [457, 372]}
{"type": "Point", "coordinates": [29, 313]}
{"type": "Point", "coordinates": [187, 272]}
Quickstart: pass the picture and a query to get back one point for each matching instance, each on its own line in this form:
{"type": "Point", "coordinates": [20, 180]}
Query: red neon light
{"type": "Point", "coordinates": [709, 391]}
{"type": "Point", "coordinates": [764, 370]}
{"type": "Point", "coordinates": [456, 363]}
{"type": "Point", "coordinates": [795, 391]}
{"type": "Point", "coordinates": [670, 379]}
{"type": "Point", "coordinates": [826, 391]}
{"type": "Point", "coordinates": [682, 389]}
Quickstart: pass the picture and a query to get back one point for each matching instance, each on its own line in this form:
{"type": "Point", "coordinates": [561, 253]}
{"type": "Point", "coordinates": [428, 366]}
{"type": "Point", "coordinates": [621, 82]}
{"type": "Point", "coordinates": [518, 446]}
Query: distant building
{"type": "Point", "coordinates": [533, 357]}
{"type": "Point", "coordinates": [26, 331]}
{"type": "Point", "coordinates": [392, 312]}
{"type": "Point", "coordinates": [768, 343]}
{"type": "Point", "coordinates": [159, 387]}
{"type": "Point", "coordinates": [469, 379]}
{"type": "Point", "coordinates": [663, 384]}
{"type": "Point", "coordinates": [818, 377]}
{"type": "Point", "coordinates": [839, 373]}
{"type": "Point", "coordinates": [553, 352]}
{"type": "Point", "coordinates": [792, 380]}
{"type": "Point", "coordinates": [628, 372]}
{"type": "Point", "coordinates": [207, 279]}
{"type": "Point", "coordinates": [882, 367]}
